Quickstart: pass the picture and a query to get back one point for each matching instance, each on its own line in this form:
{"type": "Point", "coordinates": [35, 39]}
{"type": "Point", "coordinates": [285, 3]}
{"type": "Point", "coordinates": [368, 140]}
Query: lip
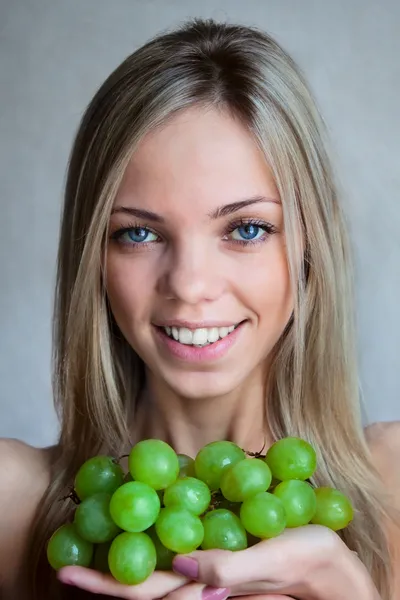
{"type": "Point", "coordinates": [195, 325]}
{"type": "Point", "coordinates": [195, 354]}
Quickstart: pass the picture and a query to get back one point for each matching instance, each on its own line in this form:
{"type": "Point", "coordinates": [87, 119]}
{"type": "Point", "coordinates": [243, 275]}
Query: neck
{"type": "Point", "coordinates": [188, 424]}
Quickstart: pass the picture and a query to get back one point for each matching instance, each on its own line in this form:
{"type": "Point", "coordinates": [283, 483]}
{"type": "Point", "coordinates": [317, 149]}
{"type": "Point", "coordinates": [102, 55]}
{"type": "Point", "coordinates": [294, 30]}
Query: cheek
{"type": "Point", "coordinates": [268, 290]}
{"type": "Point", "coordinates": [261, 284]}
{"type": "Point", "coordinates": [128, 289]}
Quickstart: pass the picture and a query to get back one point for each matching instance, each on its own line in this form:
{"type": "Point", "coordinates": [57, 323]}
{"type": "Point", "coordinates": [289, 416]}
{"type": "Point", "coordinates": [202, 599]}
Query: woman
{"type": "Point", "coordinates": [204, 293]}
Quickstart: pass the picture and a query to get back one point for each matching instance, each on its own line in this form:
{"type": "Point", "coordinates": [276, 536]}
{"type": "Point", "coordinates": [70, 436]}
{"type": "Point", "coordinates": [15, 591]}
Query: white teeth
{"type": "Point", "coordinates": [198, 337]}
{"type": "Point", "coordinates": [185, 335]}
{"type": "Point", "coordinates": [212, 334]}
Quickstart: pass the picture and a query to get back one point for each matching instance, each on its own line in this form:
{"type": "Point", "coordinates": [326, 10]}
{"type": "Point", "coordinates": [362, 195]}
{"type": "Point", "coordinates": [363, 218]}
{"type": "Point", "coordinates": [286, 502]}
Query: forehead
{"type": "Point", "coordinates": [202, 157]}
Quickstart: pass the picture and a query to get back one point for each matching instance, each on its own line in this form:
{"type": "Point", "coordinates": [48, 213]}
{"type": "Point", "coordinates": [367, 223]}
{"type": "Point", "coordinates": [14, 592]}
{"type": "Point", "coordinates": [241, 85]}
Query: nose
{"type": "Point", "coordinates": [191, 274]}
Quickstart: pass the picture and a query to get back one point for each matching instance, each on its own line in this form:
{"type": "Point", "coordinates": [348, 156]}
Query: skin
{"type": "Point", "coordinates": [198, 272]}
{"type": "Point", "coordinates": [194, 269]}
{"type": "Point", "coordinates": [25, 475]}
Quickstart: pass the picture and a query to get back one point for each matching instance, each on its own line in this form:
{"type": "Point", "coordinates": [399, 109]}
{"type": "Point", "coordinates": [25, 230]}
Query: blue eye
{"type": "Point", "coordinates": [248, 232]}
{"type": "Point", "coordinates": [240, 232]}
{"type": "Point", "coordinates": [136, 235]}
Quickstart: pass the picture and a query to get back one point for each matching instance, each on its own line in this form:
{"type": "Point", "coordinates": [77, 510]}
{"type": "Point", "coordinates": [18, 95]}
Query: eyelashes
{"type": "Point", "coordinates": [251, 226]}
{"type": "Point", "coordinates": [134, 235]}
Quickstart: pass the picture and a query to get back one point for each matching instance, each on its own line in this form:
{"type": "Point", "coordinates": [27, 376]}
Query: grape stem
{"type": "Point", "coordinates": [216, 500]}
{"type": "Point", "coordinates": [256, 454]}
{"type": "Point", "coordinates": [116, 460]}
{"type": "Point", "coordinates": [71, 496]}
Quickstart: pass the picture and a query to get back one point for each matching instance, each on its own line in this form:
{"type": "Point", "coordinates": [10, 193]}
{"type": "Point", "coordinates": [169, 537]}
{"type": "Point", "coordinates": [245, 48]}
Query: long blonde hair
{"type": "Point", "coordinates": [313, 384]}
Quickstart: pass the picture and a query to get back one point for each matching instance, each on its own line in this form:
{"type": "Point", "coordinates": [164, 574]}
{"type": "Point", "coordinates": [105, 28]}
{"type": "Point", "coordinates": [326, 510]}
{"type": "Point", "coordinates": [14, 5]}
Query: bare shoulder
{"type": "Point", "coordinates": [382, 429]}
{"type": "Point", "coordinates": [24, 476]}
{"type": "Point", "coordinates": [21, 465]}
{"type": "Point", "coordinates": [384, 442]}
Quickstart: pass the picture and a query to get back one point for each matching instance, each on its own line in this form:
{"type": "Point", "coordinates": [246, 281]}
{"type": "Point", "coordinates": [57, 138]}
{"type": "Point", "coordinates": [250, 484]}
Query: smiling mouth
{"type": "Point", "coordinates": [198, 337]}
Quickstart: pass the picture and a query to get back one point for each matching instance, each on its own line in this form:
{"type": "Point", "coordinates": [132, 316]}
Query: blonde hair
{"type": "Point", "coordinates": [313, 385]}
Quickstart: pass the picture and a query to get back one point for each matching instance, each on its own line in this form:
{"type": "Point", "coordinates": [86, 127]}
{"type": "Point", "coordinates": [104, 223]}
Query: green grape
{"type": "Point", "coordinates": [100, 559]}
{"type": "Point", "coordinates": [134, 506]}
{"type": "Point", "coordinates": [164, 555]}
{"type": "Point", "coordinates": [245, 479]}
{"type": "Point", "coordinates": [213, 459]}
{"type": "Point", "coordinates": [224, 530]}
{"type": "Point", "coordinates": [334, 509]}
{"type": "Point", "coordinates": [132, 557]}
{"type": "Point", "coordinates": [179, 530]}
{"type": "Point", "coordinates": [299, 501]}
{"type": "Point", "coordinates": [263, 515]}
{"type": "Point", "coordinates": [186, 466]}
{"type": "Point", "coordinates": [291, 458]}
{"type": "Point", "coordinates": [96, 475]}
{"type": "Point", "coordinates": [67, 547]}
{"type": "Point", "coordinates": [93, 521]}
{"type": "Point", "coordinates": [190, 493]}
{"type": "Point", "coordinates": [154, 462]}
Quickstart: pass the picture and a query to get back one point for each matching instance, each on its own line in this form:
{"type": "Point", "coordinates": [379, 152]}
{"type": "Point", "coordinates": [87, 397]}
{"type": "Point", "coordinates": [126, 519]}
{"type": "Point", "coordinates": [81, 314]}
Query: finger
{"type": "Point", "coordinates": [221, 568]}
{"type": "Point", "coordinates": [264, 597]}
{"type": "Point", "coordinates": [266, 562]}
{"type": "Point", "coordinates": [248, 595]}
{"type": "Point", "coordinates": [260, 590]}
{"type": "Point", "coordinates": [198, 591]}
{"type": "Point", "coordinates": [158, 585]}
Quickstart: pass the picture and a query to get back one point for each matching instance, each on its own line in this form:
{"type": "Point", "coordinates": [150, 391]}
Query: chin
{"type": "Point", "coordinates": [201, 385]}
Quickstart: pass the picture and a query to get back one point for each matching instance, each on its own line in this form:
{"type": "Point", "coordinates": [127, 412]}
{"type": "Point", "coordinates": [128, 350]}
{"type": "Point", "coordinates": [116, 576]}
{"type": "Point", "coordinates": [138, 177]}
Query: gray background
{"type": "Point", "coordinates": [53, 56]}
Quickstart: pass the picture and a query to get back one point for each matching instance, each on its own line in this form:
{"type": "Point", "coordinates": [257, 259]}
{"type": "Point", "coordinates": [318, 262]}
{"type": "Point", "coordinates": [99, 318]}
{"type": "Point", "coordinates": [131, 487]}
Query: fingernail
{"type": "Point", "coordinates": [186, 566]}
{"type": "Point", "coordinates": [212, 593]}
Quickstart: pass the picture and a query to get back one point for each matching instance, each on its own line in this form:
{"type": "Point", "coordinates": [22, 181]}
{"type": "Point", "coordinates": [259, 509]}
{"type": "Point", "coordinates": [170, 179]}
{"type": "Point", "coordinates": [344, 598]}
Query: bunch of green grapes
{"type": "Point", "coordinates": [167, 504]}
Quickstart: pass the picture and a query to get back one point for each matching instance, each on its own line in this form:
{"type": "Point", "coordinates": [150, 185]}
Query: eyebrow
{"type": "Point", "coordinates": [221, 211]}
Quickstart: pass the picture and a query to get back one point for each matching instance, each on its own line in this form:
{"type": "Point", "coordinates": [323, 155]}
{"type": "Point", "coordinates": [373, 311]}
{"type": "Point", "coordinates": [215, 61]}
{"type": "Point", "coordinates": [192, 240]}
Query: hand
{"type": "Point", "coordinates": [160, 584]}
{"type": "Point", "coordinates": [307, 563]}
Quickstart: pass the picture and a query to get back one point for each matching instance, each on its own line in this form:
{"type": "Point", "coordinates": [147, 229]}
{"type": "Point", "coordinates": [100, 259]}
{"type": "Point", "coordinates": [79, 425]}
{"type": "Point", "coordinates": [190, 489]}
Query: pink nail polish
{"type": "Point", "coordinates": [212, 593]}
{"type": "Point", "coordinates": [186, 566]}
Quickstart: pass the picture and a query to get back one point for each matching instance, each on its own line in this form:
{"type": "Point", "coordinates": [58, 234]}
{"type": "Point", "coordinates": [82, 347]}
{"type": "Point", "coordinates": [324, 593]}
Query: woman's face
{"type": "Point", "coordinates": [197, 245]}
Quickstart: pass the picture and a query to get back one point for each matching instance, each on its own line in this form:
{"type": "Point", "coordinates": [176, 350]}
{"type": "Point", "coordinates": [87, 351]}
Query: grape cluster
{"type": "Point", "coordinates": [170, 504]}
